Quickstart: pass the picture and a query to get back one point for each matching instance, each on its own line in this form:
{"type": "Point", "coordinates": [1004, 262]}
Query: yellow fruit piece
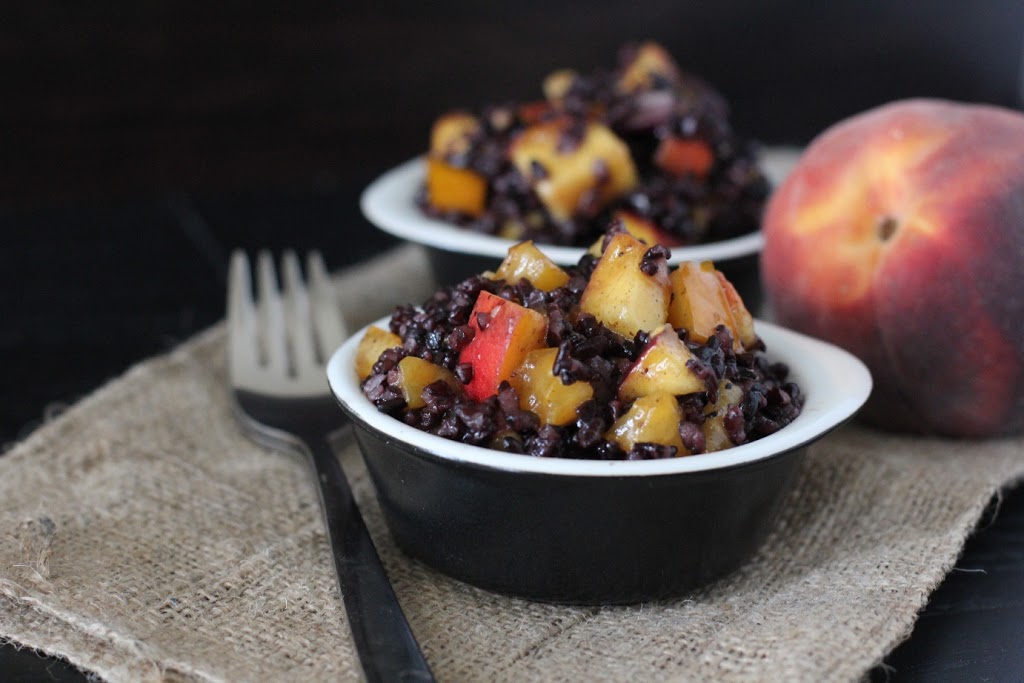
{"type": "Point", "coordinates": [641, 228]}
{"type": "Point", "coordinates": [375, 342]}
{"type": "Point", "coordinates": [661, 368]}
{"type": "Point", "coordinates": [623, 297]}
{"type": "Point", "coordinates": [568, 172]}
{"type": "Point", "coordinates": [557, 84]}
{"type": "Point", "coordinates": [698, 302]}
{"type": "Point", "coordinates": [715, 436]}
{"type": "Point", "coordinates": [651, 60]}
{"type": "Point", "coordinates": [543, 392]}
{"type": "Point", "coordinates": [638, 227]}
{"type": "Point", "coordinates": [416, 374]}
{"type": "Point", "coordinates": [452, 133]}
{"type": "Point", "coordinates": [525, 260]}
{"type": "Point", "coordinates": [455, 189]}
{"type": "Point", "coordinates": [651, 419]}
{"type": "Point", "coordinates": [511, 230]}
{"type": "Point", "coordinates": [744, 330]}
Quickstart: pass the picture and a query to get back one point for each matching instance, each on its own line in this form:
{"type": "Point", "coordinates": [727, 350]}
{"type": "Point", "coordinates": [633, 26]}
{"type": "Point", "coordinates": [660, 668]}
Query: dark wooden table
{"type": "Point", "coordinates": [139, 143]}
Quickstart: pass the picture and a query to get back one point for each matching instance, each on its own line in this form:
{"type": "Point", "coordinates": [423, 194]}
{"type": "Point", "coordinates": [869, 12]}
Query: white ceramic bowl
{"type": "Point", "coordinates": [389, 202]}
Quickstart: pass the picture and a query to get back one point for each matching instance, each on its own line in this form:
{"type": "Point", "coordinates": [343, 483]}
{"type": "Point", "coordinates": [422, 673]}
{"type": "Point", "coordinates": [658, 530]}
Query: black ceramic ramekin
{"type": "Point", "coordinates": [588, 531]}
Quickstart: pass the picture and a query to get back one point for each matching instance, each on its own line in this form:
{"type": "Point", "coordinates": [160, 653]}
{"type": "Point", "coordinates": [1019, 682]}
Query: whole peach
{"type": "Point", "coordinates": [899, 235]}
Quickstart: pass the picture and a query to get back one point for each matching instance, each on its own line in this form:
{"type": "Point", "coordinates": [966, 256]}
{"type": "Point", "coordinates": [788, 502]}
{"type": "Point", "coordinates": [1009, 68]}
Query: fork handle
{"type": "Point", "coordinates": [387, 648]}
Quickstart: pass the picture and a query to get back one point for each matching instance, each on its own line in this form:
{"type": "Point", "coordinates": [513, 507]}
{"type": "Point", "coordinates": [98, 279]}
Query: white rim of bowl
{"type": "Point", "coordinates": [389, 202]}
{"type": "Point", "coordinates": [834, 382]}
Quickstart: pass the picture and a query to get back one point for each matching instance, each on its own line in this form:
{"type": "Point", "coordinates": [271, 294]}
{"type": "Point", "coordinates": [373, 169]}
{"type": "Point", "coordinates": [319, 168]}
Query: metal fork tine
{"type": "Point", "coordinates": [241, 313]}
{"type": "Point", "coordinates": [328, 323]}
{"type": "Point", "coordinates": [297, 316]}
{"type": "Point", "coordinates": [271, 315]}
{"type": "Point", "coordinates": [281, 404]}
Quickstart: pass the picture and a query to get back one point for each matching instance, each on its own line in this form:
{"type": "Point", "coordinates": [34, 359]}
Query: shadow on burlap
{"type": "Point", "coordinates": [143, 538]}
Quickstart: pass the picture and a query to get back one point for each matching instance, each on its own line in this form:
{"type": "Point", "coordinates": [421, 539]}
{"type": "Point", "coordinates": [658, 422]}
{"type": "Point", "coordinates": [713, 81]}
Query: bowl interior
{"type": "Point", "coordinates": [834, 382]}
{"type": "Point", "coordinates": [389, 203]}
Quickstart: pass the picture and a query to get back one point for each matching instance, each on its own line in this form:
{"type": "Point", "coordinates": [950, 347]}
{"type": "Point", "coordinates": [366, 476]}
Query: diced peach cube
{"type": "Point", "coordinates": [375, 342]}
{"type": "Point", "coordinates": [680, 157]}
{"type": "Point", "coordinates": [698, 302]}
{"type": "Point", "coordinates": [525, 260]}
{"type": "Point", "coordinates": [620, 295]}
{"type": "Point", "coordinates": [651, 419]}
{"type": "Point", "coordinates": [637, 226]}
{"type": "Point", "coordinates": [564, 174]}
{"type": "Point", "coordinates": [640, 228]}
{"type": "Point", "coordinates": [661, 368]}
{"type": "Point", "coordinates": [716, 438]}
{"type": "Point", "coordinates": [650, 61]}
{"type": "Point", "coordinates": [543, 392]}
{"type": "Point", "coordinates": [416, 374]}
{"type": "Point", "coordinates": [499, 348]}
{"type": "Point", "coordinates": [452, 133]}
{"type": "Point", "coordinates": [744, 330]}
{"type": "Point", "coordinates": [535, 112]}
{"type": "Point", "coordinates": [557, 83]}
{"type": "Point", "coordinates": [455, 189]}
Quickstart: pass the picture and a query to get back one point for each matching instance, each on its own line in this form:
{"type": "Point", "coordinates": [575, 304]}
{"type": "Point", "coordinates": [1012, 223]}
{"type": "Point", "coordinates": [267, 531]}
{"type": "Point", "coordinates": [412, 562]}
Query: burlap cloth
{"type": "Point", "coordinates": [142, 537]}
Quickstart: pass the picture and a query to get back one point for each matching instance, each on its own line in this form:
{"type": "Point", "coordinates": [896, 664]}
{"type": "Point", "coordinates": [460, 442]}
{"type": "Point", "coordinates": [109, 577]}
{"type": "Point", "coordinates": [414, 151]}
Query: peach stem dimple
{"type": "Point", "coordinates": [887, 226]}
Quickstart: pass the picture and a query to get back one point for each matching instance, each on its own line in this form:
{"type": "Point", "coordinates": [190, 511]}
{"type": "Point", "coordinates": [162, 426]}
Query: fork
{"type": "Point", "coordinates": [278, 345]}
